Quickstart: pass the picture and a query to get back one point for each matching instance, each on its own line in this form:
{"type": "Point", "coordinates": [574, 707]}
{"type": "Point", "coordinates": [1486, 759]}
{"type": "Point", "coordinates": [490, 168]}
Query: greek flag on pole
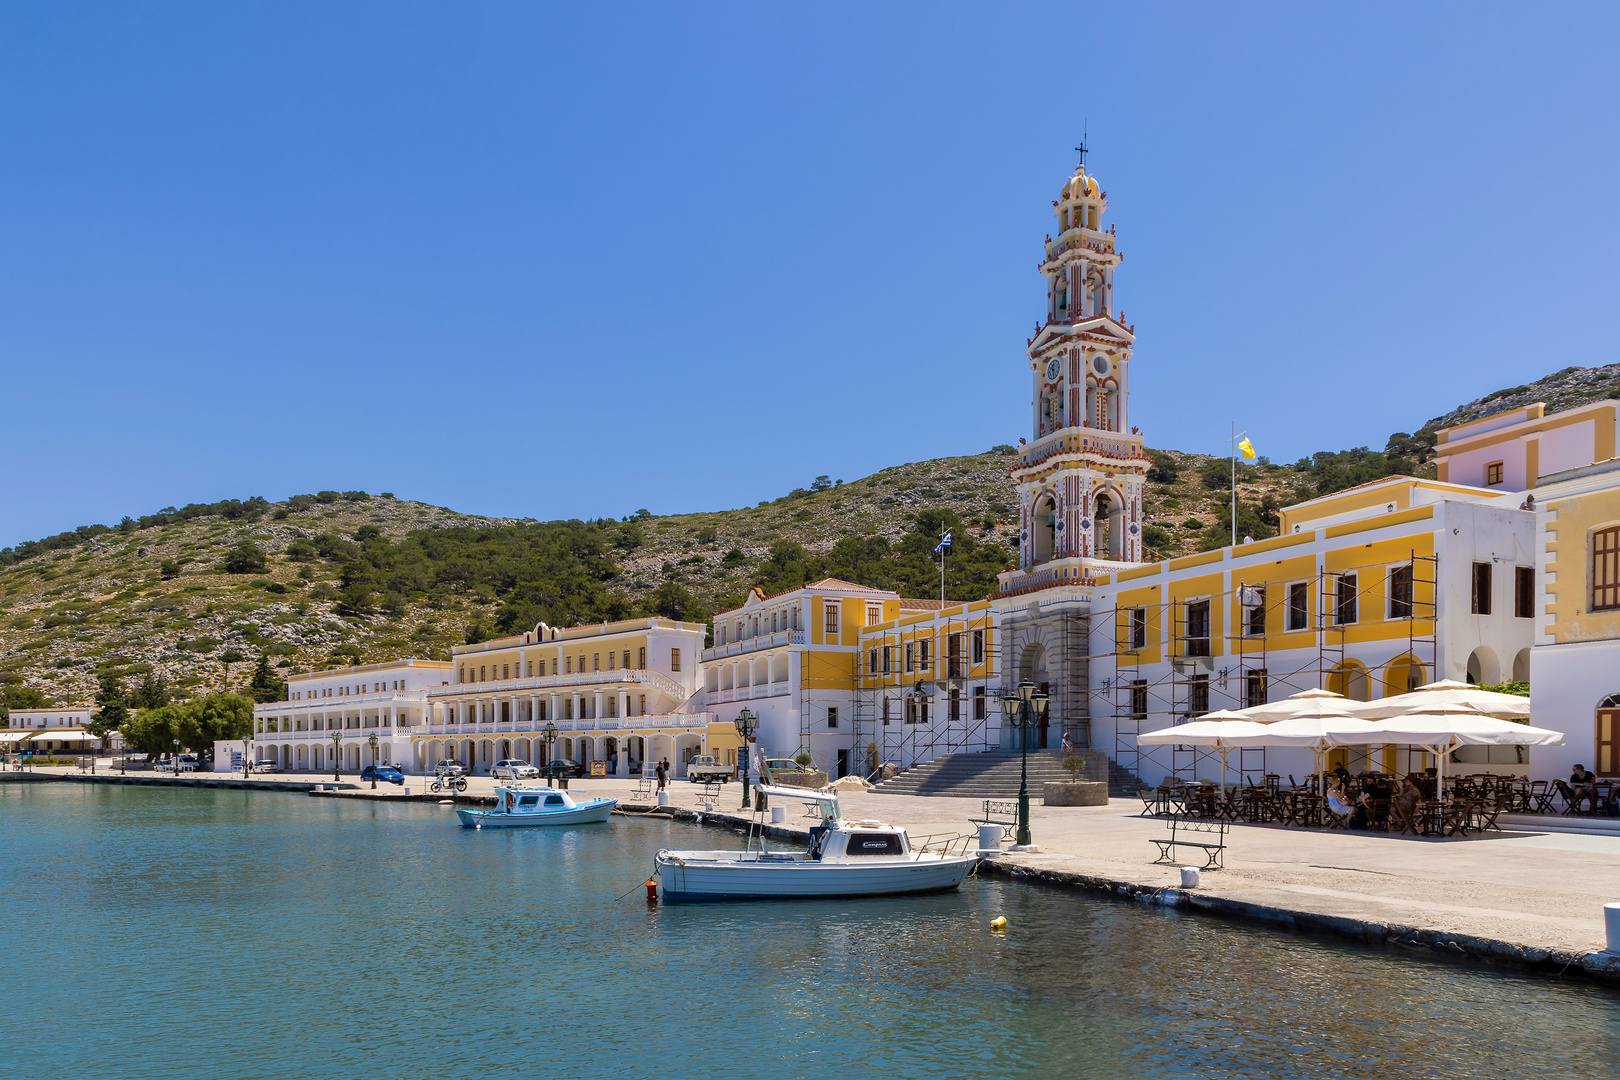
{"type": "Point", "coordinates": [943, 545]}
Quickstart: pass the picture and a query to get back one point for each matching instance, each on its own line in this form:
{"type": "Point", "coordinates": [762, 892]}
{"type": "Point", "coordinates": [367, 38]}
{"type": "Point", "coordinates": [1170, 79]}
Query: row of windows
{"type": "Point", "coordinates": [883, 659]}
{"type": "Point", "coordinates": [1343, 602]}
{"type": "Point", "coordinates": [344, 691]}
{"type": "Point", "coordinates": [500, 712]}
{"type": "Point", "coordinates": [766, 622]}
{"type": "Point", "coordinates": [914, 708]}
{"type": "Point", "coordinates": [502, 672]}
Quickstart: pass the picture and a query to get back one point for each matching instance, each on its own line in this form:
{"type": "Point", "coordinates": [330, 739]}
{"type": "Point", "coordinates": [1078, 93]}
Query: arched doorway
{"type": "Point", "coordinates": [1350, 679]}
{"type": "Point", "coordinates": [1402, 675]}
{"type": "Point", "coordinates": [1521, 666]}
{"type": "Point", "coordinates": [1032, 668]}
{"type": "Point", "coordinates": [1483, 668]}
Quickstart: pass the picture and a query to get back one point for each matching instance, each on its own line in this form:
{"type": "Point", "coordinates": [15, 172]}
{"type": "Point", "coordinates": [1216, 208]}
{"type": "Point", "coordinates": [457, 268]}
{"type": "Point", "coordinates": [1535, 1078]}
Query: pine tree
{"type": "Point", "coordinates": [265, 686]}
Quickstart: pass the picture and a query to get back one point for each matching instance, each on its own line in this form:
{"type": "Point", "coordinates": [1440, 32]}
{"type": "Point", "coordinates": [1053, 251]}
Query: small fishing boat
{"type": "Point", "coordinates": [845, 858]}
{"type": "Point", "coordinates": [524, 807]}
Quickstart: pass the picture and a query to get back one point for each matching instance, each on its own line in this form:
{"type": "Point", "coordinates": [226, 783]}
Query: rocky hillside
{"type": "Point", "coordinates": [1561, 390]}
{"type": "Point", "coordinates": [196, 596]}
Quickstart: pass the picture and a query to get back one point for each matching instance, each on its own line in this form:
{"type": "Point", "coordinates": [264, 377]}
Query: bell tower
{"type": "Point", "coordinates": [1081, 474]}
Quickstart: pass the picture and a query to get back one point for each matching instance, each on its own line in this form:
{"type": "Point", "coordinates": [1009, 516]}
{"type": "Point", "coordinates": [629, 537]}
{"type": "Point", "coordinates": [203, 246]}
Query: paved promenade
{"type": "Point", "coordinates": [1534, 897]}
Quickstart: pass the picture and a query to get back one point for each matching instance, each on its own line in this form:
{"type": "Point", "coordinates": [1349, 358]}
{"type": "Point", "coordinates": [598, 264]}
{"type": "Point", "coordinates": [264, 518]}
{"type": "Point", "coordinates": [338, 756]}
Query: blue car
{"type": "Point", "coordinates": [382, 772]}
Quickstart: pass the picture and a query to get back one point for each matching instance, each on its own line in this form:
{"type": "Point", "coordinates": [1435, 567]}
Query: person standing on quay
{"type": "Point", "coordinates": [662, 776]}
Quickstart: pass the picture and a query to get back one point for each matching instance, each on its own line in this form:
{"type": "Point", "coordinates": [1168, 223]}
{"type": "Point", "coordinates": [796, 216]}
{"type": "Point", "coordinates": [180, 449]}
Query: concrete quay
{"type": "Point", "coordinates": [1521, 897]}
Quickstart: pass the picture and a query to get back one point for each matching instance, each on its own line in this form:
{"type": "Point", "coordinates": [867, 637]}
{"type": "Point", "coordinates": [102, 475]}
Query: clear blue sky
{"type": "Point", "coordinates": [578, 260]}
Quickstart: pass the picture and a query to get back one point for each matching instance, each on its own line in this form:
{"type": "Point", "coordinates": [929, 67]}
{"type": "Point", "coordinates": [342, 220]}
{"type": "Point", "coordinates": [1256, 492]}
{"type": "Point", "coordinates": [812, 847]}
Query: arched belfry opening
{"type": "Point", "coordinates": [1109, 518]}
{"type": "Point", "coordinates": [1045, 529]}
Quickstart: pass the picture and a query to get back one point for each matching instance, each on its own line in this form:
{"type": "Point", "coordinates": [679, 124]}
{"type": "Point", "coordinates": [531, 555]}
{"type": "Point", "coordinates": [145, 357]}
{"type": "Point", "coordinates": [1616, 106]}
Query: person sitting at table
{"type": "Point", "coordinates": [1582, 787]}
{"type": "Point", "coordinates": [1336, 804]}
{"type": "Point", "coordinates": [1407, 801]}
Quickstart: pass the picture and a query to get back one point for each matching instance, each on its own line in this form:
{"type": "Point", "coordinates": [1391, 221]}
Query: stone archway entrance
{"type": "Point", "coordinates": [1032, 667]}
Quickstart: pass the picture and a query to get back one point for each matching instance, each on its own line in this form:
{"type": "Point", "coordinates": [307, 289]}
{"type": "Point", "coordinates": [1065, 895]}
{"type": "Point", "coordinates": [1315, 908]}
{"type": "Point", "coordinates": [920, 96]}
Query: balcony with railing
{"type": "Point", "coordinates": [1076, 572]}
{"type": "Point", "coordinates": [754, 644]}
{"type": "Point", "coordinates": [1083, 443]}
{"type": "Point", "coordinates": [547, 684]}
{"type": "Point", "coordinates": [693, 721]}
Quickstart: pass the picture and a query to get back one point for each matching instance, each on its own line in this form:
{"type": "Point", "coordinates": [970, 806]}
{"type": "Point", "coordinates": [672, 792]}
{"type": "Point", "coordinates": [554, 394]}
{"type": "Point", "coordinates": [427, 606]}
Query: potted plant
{"type": "Point", "coordinates": [1075, 791]}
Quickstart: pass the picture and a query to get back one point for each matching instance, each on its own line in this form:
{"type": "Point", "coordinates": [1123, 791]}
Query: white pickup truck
{"type": "Point", "coordinates": [704, 769]}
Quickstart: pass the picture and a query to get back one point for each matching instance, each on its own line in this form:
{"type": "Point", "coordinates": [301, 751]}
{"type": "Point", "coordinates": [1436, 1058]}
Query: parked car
{"type": "Point", "coordinates": [562, 767]}
{"type": "Point", "coordinates": [266, 766]}
{"type": "Point", "coordinates": [704, 769]}
{"type": "Point", "coordinates": [450, 767]}
{"type": "Point", "coordinates": [513, 769]}
{"type": "Point", "coordinates": [382, 772]}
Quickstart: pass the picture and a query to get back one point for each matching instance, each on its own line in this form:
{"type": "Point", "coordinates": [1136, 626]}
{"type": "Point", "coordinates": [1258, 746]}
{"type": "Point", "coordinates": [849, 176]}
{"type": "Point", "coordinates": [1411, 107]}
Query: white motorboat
{"type": "Point", "coordinates": [524, 807]}
{"type": "Point", "coordinates": [845, 858]}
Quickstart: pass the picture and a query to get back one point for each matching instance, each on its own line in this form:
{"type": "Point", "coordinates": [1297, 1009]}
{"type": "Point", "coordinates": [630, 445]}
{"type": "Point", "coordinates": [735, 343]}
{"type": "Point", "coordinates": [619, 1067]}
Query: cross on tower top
{"type": "Point", "coordinates": [1081, 150]}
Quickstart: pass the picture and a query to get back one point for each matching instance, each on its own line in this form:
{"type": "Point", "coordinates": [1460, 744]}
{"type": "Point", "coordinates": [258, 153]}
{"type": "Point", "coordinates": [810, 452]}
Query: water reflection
{"type": "Point", "coordinates": [227, 934]}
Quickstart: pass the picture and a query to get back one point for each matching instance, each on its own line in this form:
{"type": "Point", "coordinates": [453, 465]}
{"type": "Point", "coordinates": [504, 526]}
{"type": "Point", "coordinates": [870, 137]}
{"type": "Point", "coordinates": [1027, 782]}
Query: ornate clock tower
{"type": "Point", "coordinates": [1080, 476]}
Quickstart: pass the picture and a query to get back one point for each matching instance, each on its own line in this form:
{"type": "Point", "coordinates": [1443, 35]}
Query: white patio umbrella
{"type": "Point", "coordinates": [1304, 703]}
{"type": "Point", "coordinates": [1446, 696]}
{"type": "Point", "coordinates": [1221, 732]}
{"type": "Point", "coordinates": [1329, 726]}
{"type": "Point", "coordinates": [1441, 732]}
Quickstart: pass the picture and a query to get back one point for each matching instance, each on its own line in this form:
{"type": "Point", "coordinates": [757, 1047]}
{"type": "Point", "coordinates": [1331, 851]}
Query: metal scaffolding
{"type": "Point", "coordinates": [1180, 683]}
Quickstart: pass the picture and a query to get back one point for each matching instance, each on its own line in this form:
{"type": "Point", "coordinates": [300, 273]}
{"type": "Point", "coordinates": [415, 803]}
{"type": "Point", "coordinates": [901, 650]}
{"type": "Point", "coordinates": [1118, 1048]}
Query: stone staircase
{"type": "Point", "coordinates": [994, 775]}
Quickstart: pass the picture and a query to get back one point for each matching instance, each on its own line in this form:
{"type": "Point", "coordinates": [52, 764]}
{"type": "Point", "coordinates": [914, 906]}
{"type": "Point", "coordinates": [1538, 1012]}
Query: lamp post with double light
{"type": "Point", "coordinates": [548, 735]}
{"type": "Point", "coordinates": [1024, 709]}
{"type": "Point", "coordinates": [746, 724]}
{"type": "Point", "coordinates": [337, 759]}
{"type": "Point", "coordinates": [247, 756]}
{"type": "Point", "coordinates": [373, 741]}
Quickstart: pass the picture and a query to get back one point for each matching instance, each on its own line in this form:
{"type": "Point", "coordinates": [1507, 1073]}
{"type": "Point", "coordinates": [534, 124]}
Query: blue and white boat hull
{"type": "Point", "coordinates": [722, 875]}
{"type": "Point", "coordinates": [587, 813]}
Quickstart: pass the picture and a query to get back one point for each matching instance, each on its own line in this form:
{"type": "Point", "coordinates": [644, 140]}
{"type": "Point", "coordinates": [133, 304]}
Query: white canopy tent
{"type": "Point", "coordinates": [1304, 703]}
{"type": "Point", "coordinates": [1319, 732]}
{"type": "Point", "coordinates": [72, 735]}
{"type": "Point", "coordinates": [1221, 732]}
{"type": "Point", "coordinates": [1447, 696]}
{"type": "Point", "coordinates": [1442, 732]}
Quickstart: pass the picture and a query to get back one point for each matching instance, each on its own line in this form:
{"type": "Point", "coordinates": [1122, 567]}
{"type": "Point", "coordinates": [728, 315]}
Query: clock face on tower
{"type": "Point", "coordinates": [1054, 368]}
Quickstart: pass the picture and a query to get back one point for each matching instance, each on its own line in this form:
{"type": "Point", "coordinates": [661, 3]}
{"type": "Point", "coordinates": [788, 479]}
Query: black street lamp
{"type": "Point", "coordinates": [247, 757]}
{"type": "Point", "coordinates": [1024, 709]}
{"type": "Point", "coordinates": [337, 759]}
{"type": "Point", "coordinates": [373, 741]}
{"type": "Point", "coordinates": [746, 723]}
{"type": "Point", "coordinates": [548, 735]}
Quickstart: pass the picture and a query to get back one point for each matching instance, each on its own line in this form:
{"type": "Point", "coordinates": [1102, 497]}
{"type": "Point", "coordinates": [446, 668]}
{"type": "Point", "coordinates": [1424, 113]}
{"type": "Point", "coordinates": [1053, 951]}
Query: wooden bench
{"type": "Point", "coordinates": [998, 812]}
{"type": "Point", "coordinates": [1213, 842]}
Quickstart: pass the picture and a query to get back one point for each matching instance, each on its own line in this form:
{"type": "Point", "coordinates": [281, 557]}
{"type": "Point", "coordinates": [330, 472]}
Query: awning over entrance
{"type": "Point", "coordinates": [65, 735]}
{"type": "Point", "coordinates": [10, 738]}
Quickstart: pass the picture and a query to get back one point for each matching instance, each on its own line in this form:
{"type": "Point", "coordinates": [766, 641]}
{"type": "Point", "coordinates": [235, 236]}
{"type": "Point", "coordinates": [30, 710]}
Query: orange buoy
{"type": "Point", "coordinates": [652, 891]}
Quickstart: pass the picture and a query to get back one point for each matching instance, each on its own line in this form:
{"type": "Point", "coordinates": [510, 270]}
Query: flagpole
{"type": "Point", "coordinates": [1234, 483]}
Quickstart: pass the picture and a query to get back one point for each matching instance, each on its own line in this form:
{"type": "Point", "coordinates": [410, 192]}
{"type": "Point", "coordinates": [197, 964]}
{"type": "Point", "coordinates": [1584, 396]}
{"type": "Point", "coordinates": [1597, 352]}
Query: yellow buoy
{"type": "Point", "coordinates": [999, 922]}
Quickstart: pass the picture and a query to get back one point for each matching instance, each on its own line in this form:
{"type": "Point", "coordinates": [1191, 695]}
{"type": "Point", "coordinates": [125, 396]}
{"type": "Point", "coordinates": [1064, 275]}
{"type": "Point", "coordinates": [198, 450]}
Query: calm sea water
{"type": "Point", "coordinates": [233, 934]}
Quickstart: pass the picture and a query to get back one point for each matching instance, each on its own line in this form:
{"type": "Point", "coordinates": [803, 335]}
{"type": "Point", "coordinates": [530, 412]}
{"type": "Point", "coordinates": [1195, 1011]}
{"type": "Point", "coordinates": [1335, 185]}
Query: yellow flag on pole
{"type": "Point", "coordinates": [1247, 448]}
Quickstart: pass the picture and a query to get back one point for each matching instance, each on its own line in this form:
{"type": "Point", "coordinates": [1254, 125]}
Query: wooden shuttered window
{"type": "Point", "coordinates": [1606, 569]}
